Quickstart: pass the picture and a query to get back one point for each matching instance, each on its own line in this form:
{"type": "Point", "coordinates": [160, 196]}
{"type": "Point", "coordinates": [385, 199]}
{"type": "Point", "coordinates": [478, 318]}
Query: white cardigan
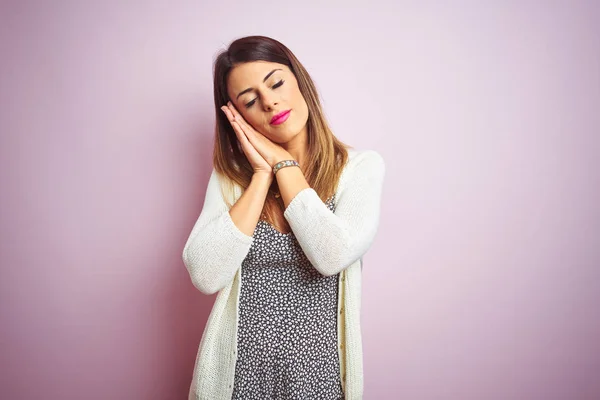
{"type": "Point", "coordinates": [333, 243]}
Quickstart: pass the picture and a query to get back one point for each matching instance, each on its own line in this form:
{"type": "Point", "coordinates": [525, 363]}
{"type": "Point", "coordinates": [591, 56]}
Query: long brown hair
{"type": "Point", "coordinates": [326, 155]}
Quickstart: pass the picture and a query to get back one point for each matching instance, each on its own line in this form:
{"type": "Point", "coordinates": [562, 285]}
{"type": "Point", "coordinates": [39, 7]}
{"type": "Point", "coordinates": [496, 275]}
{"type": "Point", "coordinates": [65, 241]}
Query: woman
{"type": "Point", "coordinates": [288, 214]}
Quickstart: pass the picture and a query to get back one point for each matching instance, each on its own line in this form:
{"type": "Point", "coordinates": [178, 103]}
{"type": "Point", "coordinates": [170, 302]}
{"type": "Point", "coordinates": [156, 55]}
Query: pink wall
{"type": "Point", "coordinates": [484, 280]}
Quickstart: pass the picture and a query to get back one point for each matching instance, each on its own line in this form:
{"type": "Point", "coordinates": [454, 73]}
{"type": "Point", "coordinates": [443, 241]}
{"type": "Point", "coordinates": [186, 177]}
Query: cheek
{"type": "Point", "coordinates": [298, 99]}
{"type": "Point", "coordinates": [255, 119]}
{"type": "Point", "coordinates": [244, 112]}
{"type": "Point", "coordinates": [301, 104]}
{"type": "Point", "coordinates": [296, 95]}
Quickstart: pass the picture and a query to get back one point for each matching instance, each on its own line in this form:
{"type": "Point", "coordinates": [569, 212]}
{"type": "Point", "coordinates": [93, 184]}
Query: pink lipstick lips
{"type": "Point", "coordinates": [280, 118]}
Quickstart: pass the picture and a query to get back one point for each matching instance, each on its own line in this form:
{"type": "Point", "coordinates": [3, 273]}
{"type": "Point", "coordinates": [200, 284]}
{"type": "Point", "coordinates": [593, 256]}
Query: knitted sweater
{"type": "Point", "coordinates": [333, 243]}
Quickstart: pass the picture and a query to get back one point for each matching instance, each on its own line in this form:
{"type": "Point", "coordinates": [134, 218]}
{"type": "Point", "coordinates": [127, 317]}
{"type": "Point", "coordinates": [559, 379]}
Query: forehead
{"type": "Point", "coordinates": [251, 74]}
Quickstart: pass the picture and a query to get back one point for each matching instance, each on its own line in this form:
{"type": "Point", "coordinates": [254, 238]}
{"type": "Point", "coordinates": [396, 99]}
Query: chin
{"type": "Point", "coordinates": [280, 135]}
{"type": "Point", "coordinates": [282, 139]}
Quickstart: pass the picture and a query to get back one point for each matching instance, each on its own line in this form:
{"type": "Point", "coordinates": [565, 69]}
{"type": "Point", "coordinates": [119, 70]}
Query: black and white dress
{"type": "Point", "coordinates": [287, 330]}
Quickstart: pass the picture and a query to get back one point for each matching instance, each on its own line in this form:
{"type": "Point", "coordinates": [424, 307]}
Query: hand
{"type": "Point", "coordinates": [258, 163]}
{"type": "Point", "coordinates": [271, 152]}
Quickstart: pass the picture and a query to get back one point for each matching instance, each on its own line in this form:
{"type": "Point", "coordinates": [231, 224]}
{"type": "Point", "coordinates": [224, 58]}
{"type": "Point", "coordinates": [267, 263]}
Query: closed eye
{"type": "Point", "coordinates": [275, 86]}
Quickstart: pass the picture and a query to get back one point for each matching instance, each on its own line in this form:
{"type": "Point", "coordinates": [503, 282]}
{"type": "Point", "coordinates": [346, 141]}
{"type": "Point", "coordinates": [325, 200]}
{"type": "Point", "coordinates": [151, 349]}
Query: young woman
{"type": "Point", "coordinates": [288, 214]}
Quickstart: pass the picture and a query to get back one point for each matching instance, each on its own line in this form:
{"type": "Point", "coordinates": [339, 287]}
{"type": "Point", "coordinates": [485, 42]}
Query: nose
{"type": "Point", "coordinates": [269, 102]}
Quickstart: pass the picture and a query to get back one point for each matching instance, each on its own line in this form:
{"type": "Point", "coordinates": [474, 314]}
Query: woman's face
{"type": "Point", "coordinates": [268, 97]}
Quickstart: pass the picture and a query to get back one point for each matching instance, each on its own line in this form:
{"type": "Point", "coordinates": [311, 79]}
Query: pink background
{"type": "Point", "coordinates": [484, 279]}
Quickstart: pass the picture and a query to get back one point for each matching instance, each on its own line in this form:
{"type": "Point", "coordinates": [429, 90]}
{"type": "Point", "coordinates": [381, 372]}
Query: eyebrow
{"type": "Point", "coordinates": [264, 80]}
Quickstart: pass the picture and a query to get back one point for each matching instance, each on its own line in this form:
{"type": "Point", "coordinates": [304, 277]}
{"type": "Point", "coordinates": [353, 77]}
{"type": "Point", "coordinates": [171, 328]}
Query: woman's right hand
{"type": "Point", "coordinates": [258, 163]}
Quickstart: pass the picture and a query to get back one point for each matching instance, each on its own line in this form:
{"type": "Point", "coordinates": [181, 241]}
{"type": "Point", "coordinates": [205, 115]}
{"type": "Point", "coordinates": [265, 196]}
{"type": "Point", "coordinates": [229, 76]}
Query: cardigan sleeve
{"type": "Point", "coordinates": [333, 241]}
{"type": "Point", "coordinates": [216, 247]}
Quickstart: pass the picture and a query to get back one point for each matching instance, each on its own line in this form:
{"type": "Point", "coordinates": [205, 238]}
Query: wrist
{"type": "Point", "coordinates": [264, 176]}
{"type": "Point", "coordinates": [281, 157]}
{"type": "Point", "coordinates": [284, 164]}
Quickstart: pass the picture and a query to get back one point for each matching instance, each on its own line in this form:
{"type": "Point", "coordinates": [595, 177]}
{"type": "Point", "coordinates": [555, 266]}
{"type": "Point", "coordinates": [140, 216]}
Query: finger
{"type": "Point", "coordinates": [234, 110]}
{"type": "Point", "coordinates": [228, 113]}
{"type": "Point", "coordinates": [242, 142]}
{"type": "Point", "coordinates": [231, 119]}
{"type": "Point", "coordinates": [238, 124]}
{"type": "Point", "coordinates": [242, 139]}
{"type": "Point", "coordinates": [252, 135]}
{"type": "Point", "coordinates": [237, 128]}
{"type": "Point", "coordinates": [246, 145]}
{"type": "Point", "coordinates": [232, 107]}
{"type": "Point", "coordinates": [239, 131]}
{"type": "Point", "coordinates": [237, 116]}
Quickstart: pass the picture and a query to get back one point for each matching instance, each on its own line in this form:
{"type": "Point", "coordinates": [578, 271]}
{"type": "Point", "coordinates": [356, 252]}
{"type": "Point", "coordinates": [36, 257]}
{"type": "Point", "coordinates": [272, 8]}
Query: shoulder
{"type": "Point", "coordinates": [364, 162]}
{"type": "Point", "coordinates": [364, 167]}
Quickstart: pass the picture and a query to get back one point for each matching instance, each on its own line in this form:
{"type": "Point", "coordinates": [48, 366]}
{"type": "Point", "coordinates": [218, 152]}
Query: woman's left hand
{"type": "Point", "coordinates": [270, 151]}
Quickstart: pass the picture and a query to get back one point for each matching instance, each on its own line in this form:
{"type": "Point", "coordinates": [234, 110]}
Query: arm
{"type": "Point", "coordinates": [333, 241]}
{"type": "Point", "coordinates": [221, 238]}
